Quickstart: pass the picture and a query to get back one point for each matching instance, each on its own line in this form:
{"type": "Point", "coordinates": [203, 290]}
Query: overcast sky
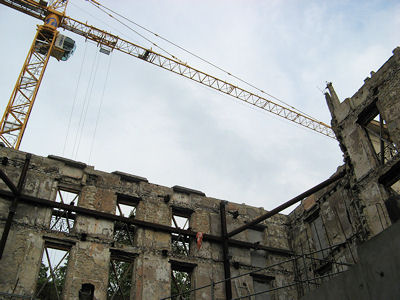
{"type": "Point", "coordinates": [173, 131]}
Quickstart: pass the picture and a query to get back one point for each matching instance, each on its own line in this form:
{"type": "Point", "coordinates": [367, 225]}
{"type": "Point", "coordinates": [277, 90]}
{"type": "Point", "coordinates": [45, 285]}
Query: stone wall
{"type": "Point", "coordinates": [354, 209]}
{"type": "Point", "coordinates": [92, 241]}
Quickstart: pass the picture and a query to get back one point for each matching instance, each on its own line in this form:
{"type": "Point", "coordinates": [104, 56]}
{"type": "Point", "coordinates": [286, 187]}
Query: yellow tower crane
{"type": "Point", "coordinates": [48, 42]}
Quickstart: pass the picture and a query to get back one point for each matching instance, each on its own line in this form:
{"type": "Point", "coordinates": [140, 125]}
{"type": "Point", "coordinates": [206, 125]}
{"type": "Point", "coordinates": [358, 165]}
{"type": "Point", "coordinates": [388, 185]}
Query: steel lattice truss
{"type": "Point", "coordinates": [20, 105]}
{"type": "Point", "coordinates": [114, 42]}
{"type": "Point", "coordinates": [22, 99]}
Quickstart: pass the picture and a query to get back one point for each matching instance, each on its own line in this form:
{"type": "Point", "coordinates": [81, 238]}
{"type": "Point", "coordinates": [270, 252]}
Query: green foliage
{"type": "Point", "coordinates": [180, 284]}
{"type": "Point", "coordinates": [46, 286]}
{"type": "Point", "coordinates": [121, 233]}
{"type": "Point", "coordinates": [120, 280]}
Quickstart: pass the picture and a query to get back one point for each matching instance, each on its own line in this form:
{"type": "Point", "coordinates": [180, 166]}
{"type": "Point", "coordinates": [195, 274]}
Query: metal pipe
{"type": "Point", "coordinates": [288, 203]}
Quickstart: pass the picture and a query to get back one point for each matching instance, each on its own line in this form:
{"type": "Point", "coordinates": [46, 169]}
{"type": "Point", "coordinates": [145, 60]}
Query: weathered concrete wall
{"type": "Point", "coordinates": [352, 211]}
{"type": "Point", "coordinates": [92, 240]}
{"type": "Point", "coordinates": [376, 276]}
{"type": "Point", "coordinates": [351, 121]}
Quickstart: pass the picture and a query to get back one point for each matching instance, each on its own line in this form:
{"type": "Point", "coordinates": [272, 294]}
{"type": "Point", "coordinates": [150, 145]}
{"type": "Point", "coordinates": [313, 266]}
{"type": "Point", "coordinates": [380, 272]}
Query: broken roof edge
{"type": "Point", "coordinates": [130, 177]}
{"type": "Point", "coordinates": [185, 190]}
{"type": "Point", "coordinates": [68, 162]}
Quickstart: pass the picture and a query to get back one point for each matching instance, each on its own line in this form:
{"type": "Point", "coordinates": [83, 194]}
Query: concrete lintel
{"type": "Point", "coordinates": [257, 227]}
{"type": "Point", "coordinates": [68, 162]}
{"type": "Point", "coordinates": [185, 190]}
{"type": "Point", "coordinates": [127, 199]}
{"type": "Point", "coordinates": [182, 266]}
{"type": "Point", "coordinates": [57, 243]}
{"type": "Point", "coordinates": [391, 176]}
{"type": "Point", "coordinates": [182, 211]}
{"type": "Point", "coordinates": [262, 277]}
{"type": "Point", "coordinates": [121, 255]}
{"type": "Point", "coordinates": [130, 177]}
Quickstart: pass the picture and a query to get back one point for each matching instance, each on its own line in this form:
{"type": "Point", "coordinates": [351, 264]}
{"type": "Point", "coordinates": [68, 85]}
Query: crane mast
{"type": "Point", "coordinates": [17, 113]}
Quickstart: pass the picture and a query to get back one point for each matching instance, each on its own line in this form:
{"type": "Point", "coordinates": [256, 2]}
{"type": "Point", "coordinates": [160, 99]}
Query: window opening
{"type": "Point", "coordinates": [391, 181]}
{"type": "Point", "coordinates": [179, 242]}
{"type": "Point", "coordinates": [262, 283]}
{"type": "Point", "coordinates": [53, 268]}
{"type": "Point", "coordinates": [258, 257]}
{"type": "Point", "coordinates": [319, 237]}
{"type": "Point", "coordinates": [180, 283]}
{"type": "Point", "coordinates": [120, 275]}
{"type": "Point", "coordinates": [181, 280]}
{"type": "Point", "coordinates": [376, 128]}
{"type": "Point", "coordinates": [86, 292]}
{"type": "Point", "coordinates": [318, 232]}
{"type": "Point", "coordinates": [63, 220]}
{"type": "Point", "coordinates": [126, 207]}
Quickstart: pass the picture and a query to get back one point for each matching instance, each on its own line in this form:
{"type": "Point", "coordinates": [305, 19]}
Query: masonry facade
{"type": "Point", "coordinates": [70, 231]}
{"type": "Point", "coordinates": [151, 244]}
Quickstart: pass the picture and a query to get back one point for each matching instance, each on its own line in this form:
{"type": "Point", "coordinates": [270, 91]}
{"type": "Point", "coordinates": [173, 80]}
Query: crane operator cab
{"type": "Point", "coordinates": [63, 48]}
{"type": "Point", "coordinates": [65, 45]}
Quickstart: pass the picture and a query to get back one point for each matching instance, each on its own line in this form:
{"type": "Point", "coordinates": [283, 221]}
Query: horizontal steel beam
{"type": "Point", "coordinates": [288, 203]}
{"type": "Point", "coordinates": [144, 224]}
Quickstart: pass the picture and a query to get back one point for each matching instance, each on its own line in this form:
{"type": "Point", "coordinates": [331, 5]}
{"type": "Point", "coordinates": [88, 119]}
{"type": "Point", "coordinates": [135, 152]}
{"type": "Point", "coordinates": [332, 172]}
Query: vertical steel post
{"type": "Point", "coordinates": [225, 251]}
{"type": "Point", "coordinates": [212, 286]}
{"type": "Point", "coordinates": [13, 207]}
{"type": "Point", "coordinates": [382, 144]}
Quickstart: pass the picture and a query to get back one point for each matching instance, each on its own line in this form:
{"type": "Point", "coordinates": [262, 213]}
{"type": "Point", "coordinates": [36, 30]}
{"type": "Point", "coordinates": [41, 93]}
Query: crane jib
{"type": "Point", "coordinates": [16, 116]}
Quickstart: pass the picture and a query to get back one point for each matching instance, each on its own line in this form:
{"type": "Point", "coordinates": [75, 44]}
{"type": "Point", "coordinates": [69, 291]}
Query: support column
{"type": "Point", "coordinates": [225, 251]}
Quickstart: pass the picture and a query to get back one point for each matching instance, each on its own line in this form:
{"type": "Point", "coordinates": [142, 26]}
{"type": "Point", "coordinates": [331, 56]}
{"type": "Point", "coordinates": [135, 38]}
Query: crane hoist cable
{"type": "Point", "coordinates": [86, 101]}
{"type": "Point", "coordinates": [99, 110]}
{"type": "Point", "coordinates": [104, 9]}
{"type": "Point", "coordinates": [75, 99]}
{"type": "Point", "coordinates": [135, 31]}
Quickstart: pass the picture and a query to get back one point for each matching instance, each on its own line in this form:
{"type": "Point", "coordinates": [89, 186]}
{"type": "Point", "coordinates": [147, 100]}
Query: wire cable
{"type": "Point", "coordinates": [101, 21]}
{"type": "Point", "coordinates": [99, 110]}
{"type": "Point", "coordinates": [78, 130]}
{"type": "Point", "coordinates": [100, 6]}
{"type": "Point", "coordinates": [87, 106]}
{"type": "Point", "coordinates": [130, 28]}
{"type": "Point", "coordinates": [74, 102]}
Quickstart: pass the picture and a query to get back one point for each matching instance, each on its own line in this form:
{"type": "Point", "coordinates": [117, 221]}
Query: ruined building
{"type": "Point", "coordinates": [70, 231]}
